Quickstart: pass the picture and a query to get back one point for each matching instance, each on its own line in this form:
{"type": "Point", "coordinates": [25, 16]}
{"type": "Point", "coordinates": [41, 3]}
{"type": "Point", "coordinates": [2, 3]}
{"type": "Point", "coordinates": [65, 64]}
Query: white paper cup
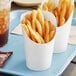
{"type": "Point", "coordinates": [39, 56]}
{"type": "Point", "coordinates": [62, 32]}
{"type": "Point", "coordinates": [62, 36]}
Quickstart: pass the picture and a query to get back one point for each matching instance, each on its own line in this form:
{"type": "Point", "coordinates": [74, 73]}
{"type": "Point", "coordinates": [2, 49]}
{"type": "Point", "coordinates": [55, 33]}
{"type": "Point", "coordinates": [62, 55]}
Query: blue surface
{"type": "Point", "coordinates": [16, 64]}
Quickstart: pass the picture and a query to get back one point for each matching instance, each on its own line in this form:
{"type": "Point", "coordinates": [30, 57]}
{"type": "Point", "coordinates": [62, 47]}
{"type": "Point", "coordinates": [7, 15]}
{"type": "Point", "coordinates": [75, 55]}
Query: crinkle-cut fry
{"type": "Point", "coordinates": [39, 7]}
{"type": "Point", "coordinates": [34, 35]}
{"type": "Point", "coordinates": [46, 37]}
{"type": "Point", "coordinates": [38, 27]}
{"type": "Point", "coordinates": [42, 40]}
{"type": "Point", "coordinates": [40, 17]}
{"type": "Point", "coordinates": [62, 21]}
{"type": "Point", "coordinates": [28, 16]}
{"type": "Point", "coordinates": [49, 3]}
{"type": "Point", "coordinates": [23, 21]}
{"type": "Point", "coordinates": [45, 7]}
{"type": "Point", "coordinates": [26, 29]}
{"type": "Point", "coordinates": [52, 33]}
{"type": "Point", "coordinates": [34, 14]}
{"type": "Point", "coordinates": [59, 6]}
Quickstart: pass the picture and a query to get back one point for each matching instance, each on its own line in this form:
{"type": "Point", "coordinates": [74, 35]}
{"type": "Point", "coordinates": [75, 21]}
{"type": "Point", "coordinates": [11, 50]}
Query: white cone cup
{"type": "Point", "coordinates": [62, 32]}
{"type": "Point", "coordinates": [39, 56]}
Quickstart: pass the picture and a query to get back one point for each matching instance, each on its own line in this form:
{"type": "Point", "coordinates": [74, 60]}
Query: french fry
{"type": "Point", "coordinates": [23, 21]}
{"type": "Point", "coordinates": [39, 7]}
{"type": "Point", "coordinates": [62, 21]}
{"type": "Point", "coordinates": [49, 25]}
{"type": "Point", "coordinates": [28, 16]}
{"type": "Point", "coordinates": [45, 7]}
{"type": "Point", "coordinates": [29, 24]}
{"type": "Point", "coordinates": [53, 28]}
{"type": "Point", "coordinates": [26, 29]}
{"type": "Point", "coordinates": [38, 27]}
{"type": "Point", "coordinates": [46, 37]}
{"type": "Point", "coordinates": [59, 7]}
{"type": "Point", "coordinates": [34, 35]}
{"type": "Point", "coordinates": [52, 33]}
{"type": "Point", "coordinates": [33, 19]}
{"type": "Point", "coordinates": [40, 17]}
{"type": "Point", "coordinates": [49, 3]}
{"type": "Point", "coordinates": [70, 9]}
{"type": "Point", "coordinates": [42, 41]}
{"type": "Point", "coordinates": [56, 15]}
{"type": "Point", "coordinates": [52, 7]}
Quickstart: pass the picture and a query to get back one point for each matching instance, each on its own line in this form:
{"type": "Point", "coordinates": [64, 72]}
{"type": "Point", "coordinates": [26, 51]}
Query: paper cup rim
{"type": "Point", "coordinates": [29, 38]}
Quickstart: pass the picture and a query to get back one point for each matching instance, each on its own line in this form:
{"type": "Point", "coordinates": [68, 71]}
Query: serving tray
{"type": "Point", "coordinates": [17, 64]}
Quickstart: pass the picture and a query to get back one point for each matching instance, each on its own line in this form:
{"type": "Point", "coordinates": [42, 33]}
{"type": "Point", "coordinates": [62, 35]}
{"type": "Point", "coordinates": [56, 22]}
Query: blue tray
{"type": "Point", "coordinates": [16, 64]}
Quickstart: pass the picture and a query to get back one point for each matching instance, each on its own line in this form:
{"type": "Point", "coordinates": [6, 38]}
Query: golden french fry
{"type": "Point", "coordinates": [53, 28]}
{"type": "Point", "coordinates": [49, 25]}
{"type": "Point", "coordinates": [23, 21]}
{"type": "Point", "coordinates": [56, 15]}
{"type": "Point", "coordinates": [52, 7]}
{"type": "Point", "coordinates": [33, 19]}
{"type": "Point", "coordinates": [59, 7]}
{"type": "Point", "coordinates": [52, 33]}
{"type": "Point", "coordinates": [26, 29]}
{"type": "Point", "coordinates": [28, 16]}
{"type": "Point", "coordinates": [45, 7]}
{"type": "Point", "coordinates": [46, 37]}
{"type": "Point", "coordinates": [70, 9]}
{"type": "Point", "coordinates": [42, 41]}
{"type": "Point", "coordinates": [39, 7]}
{"type": "Point", "coordinates": [63, 9]}
{"type": "Point", "coordinates": [40, 17]}
{"type": "Point", "coordinates": [28, 22]}
{"type": "Point", "coordinates": [38, 27]}
{"type": "Point", "coordinates": [34, 35]}
{"type": "Point", "coordinates": [62, 21]}
{"type": "Point", "coordinates": [49, 3]}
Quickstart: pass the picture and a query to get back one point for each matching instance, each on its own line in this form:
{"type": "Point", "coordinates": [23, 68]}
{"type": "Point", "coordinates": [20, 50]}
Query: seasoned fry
{"type": "Point", "coordinates": [38, 27]}
{"type": "Point", "coordinates": [40, 17]}
{"type": "Point", "coordinates": [45, 7]}
{"type": "Point", "coordinates": [26, 29]}
{"type": "Point", "coordinates": [33, 33]}
{"type": "Point", "coordinates": [33, 19]}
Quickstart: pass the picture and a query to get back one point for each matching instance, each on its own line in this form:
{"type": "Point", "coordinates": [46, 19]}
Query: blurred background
{"type": "Point", "coordinates": [71, 69]}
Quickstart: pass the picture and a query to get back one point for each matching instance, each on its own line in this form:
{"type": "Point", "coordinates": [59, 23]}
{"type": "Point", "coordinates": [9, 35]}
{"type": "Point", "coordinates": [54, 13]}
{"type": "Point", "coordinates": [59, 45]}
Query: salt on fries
{"type": "Point", "coordinates": [62, 12]}
{"type": "Point", "coordinates": [37, 28]}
